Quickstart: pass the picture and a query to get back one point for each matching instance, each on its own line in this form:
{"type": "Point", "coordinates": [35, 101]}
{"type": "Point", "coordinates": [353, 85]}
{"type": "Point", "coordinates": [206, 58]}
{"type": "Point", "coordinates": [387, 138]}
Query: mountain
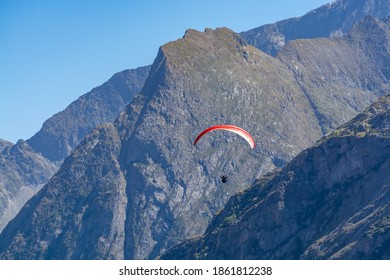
{"type": "Point", "coordinates": [137, 186]}
{"type": "Point", "coordinates": [144, 172]}
{"type": "Point", "coordinates": [4, 144]}
{"type": "Point", "coordinates": [333, 19]}
{"type": "Point", "coordinates": [341, 76]}
{"type": "Point", "coordinates": [23, 172]}
{"type": "Point", "coordinates": [331, 202]}
{"type": "Point", "coordinates": [27, 166]}
{"type": "Point", "coordinates": [61, 133]}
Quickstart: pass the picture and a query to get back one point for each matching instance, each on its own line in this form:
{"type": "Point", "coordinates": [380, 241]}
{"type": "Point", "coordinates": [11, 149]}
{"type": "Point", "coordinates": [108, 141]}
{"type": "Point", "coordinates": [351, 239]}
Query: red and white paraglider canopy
{"type": "Point", "coordinates": [244, 134]}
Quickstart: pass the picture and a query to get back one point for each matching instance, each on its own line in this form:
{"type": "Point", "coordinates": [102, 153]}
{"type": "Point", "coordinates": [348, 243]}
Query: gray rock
{"type": "Point", "coordinates": [79, 217]}
{"type": "Point", "coordinates": [341, 76]}
{"type": "Point", "coordinates": [331, 202]}
{"type": "Point", "coordinates": [333, 19]}
{"type": "Point", "coordinates": [61, 133]}
{"type": "Point", "coordinates": [151, 186]}
{"type": "Point", "coordinates": [25, 169]}
{"type": "Point", "coordinates": [4, 144]}
{"type": "Point", "coordinates": [23, 173]}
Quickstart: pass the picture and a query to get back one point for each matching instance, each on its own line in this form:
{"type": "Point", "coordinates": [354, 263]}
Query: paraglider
{"type": "Point", "coordinates": [238, 130]}
{"type": "Point", "coordinates": [230, 128]}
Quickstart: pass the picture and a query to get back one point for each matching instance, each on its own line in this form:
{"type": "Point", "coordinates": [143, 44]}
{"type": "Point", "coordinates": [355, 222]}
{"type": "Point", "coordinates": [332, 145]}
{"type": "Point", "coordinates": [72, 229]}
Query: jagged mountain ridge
{"type": "Point", "coordinates": [331, 202]}
{"type": "Point", "coordinates": [155, 152]}
{"type": "Point", "coordinates": [4, 144]}
{"type": "Point", "coordinates": [335, 18]}
{"type": "Point", "coordinates": [148, 152]}
{"type": "Point", "coordinates": [23, 172]}
{"type": "Point", "coordinates": [61, 133]}
{"type": "Point", "coordinates": [211, 77]}
{"type": "Point", "coordinates": [56, 141]}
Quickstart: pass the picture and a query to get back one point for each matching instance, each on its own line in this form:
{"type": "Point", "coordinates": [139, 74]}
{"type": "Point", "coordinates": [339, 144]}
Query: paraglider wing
{"type": "Point", "coordinates": [230, 128]}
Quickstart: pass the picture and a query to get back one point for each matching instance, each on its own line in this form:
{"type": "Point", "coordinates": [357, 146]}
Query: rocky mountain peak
{"type": "Point", "coordinates": [186, 52]}
{"type": "Point", "coordinates": [131, 187]}
{"type": "Point", "coordinates": [190, 87]}
{"type": "Point", "coordinates": [221, 33]}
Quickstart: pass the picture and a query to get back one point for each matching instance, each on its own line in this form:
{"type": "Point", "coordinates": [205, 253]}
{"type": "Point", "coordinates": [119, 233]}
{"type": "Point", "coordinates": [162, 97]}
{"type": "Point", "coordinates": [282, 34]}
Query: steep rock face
{"type": "Point", "coordinates": [200, 80]}
{"type": "Point", "coordinates": [335, 18]}
{"type": "Point", "coordinates": [204, 79]}
{"type": "Point", "coordinates": [24, 169]}
{"type": "Point", "coordinates": [23, 172]}
{"type": "Point", "coordinates": [342, 74]}
{"type": "Point", "coordinates": [331, 202]}
{"type": "Point", "coordinates": [84, 205]}
{"type": "Point", "coordinates": [62, 132]}
{"type": "Point", "coordinates": [173, 188]}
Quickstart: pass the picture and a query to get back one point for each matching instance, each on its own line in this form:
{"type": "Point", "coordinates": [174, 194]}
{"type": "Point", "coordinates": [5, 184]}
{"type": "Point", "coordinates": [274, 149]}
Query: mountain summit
{"type": "Point", "coordinates": [137, 186]}
{"type": "Point", "coordinates": [144, 169]}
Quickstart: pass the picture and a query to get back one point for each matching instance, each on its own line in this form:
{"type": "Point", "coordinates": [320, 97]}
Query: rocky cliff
{"type": "Point", "coordinates": [24, 169]}
{"type": "Point", "coordinates": [342, 75]}
{"type": "Point", "coordinates": [331, 202]}
{"type": "Point", "coordinates": [61, 133]}
{"type": "Point", "coordinates": [23, 172]}
{"type": "Point", "coordinates": [333, 19]}
{"type": "Point", "coordinates": [133, 188]}
{"type": "Point", "coordinates": [153, 170]}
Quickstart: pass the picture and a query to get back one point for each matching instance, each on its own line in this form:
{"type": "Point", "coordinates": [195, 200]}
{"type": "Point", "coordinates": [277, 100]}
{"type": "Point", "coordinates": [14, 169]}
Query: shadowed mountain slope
{"type": "Point", "coordinates": [331, 202]}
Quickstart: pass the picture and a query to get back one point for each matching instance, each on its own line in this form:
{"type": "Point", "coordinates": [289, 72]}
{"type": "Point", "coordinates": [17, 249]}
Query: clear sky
{"type": "Point", "coordinates": [53, 51]}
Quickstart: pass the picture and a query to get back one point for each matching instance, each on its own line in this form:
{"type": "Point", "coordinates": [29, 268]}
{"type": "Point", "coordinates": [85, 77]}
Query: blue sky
{"type": "Point", "coordinates": [51, 52]}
